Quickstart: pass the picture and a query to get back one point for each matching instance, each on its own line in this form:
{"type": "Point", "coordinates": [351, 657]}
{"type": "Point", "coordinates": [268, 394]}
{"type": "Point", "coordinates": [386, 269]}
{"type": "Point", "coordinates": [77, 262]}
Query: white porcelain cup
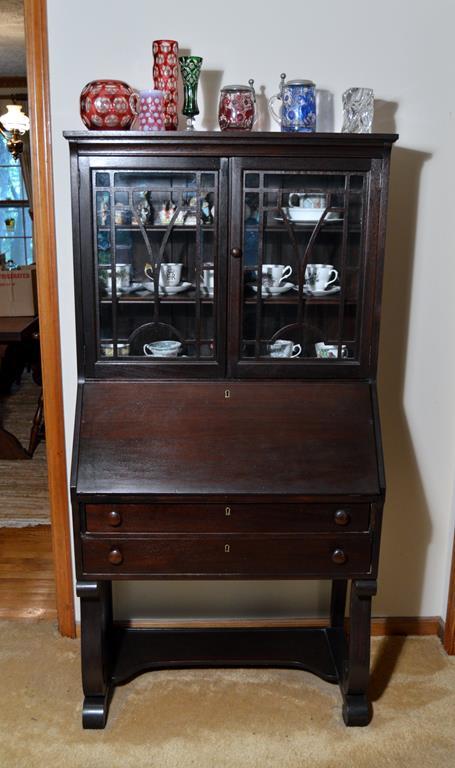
{"type": "Point", "coordinates": [329, 351]}
{"type": "Point", "coordinates": [307, 200]}
{"type": "Point", "coordinates": [170, 274]}
{"type": "Point", "coordinates": [107, 349]}
{"type": "Point", "coordinates": [284, 348]}
{"type": "Point", "coordinates": [319, 276]}
{"type": "Point", "coordinates": [274, 274]}
{"type": "Point", "coordinates": [208, 279]}
{"type": "Point", "coordinates": [122, 277]}
{"type": "Point", "coordinates": [165, 348]}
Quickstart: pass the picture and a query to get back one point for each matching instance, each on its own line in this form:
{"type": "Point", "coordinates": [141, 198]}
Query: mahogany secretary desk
{"type": "Point", "coordinates": [228, 291]}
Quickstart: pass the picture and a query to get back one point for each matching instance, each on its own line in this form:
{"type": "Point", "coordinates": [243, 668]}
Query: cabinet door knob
{"type": "Point", "coordinates": [114, 518]}
{"type": "Point", "coordinates": [115, 557]}
{"type": "Point", "coordinates": [342, 517]}
{"type": "Point", "coordinates": [236, 253]}
{"type": "Point", "coordinates": [338, 556]}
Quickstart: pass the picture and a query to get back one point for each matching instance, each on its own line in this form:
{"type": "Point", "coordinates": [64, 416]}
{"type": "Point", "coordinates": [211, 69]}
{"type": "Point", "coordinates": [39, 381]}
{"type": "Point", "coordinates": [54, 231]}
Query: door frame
{"type": "Point", "coordinates": [449, 632]}
{"type": "Point", "coordinates": [36, 45]}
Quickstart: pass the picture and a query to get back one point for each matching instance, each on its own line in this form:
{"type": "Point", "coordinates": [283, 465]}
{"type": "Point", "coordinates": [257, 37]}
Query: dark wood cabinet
{"type": "Point", "coordinates": [228, 298]}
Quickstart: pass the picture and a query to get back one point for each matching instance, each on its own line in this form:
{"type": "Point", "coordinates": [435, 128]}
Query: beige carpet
{"type": "Point", "coordinates": [223, 718]}
{"type": "Point", "coordinates": [23, 484]}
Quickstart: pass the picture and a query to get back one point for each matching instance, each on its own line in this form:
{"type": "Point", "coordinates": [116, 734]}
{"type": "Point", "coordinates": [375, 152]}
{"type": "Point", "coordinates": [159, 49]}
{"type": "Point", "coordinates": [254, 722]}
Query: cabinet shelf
{"type": "Point", "coordinates": [190, 298]}
{"type": "Point", "coordinates": [157, 228]}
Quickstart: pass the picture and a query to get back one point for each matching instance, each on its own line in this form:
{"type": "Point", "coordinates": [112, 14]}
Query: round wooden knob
{"type": "Point", "coordinates": [114, 518]}
{"type": "Point", "coordinates": [338, 556]}
{"type": "Point", "coordinates": [236, 253]}
{"type": "Point", "coordinates": [115, 557]}
{"type": "Point", "coordinates": [342, 517]}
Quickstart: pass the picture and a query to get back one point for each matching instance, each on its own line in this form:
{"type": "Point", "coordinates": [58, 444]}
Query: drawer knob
{"type": "Point", "coordinates": [115, 557]}
{"type": "Point", "coordinates": [338, 556]}
{"type": "Point", "coordinates": [342, 517]}
{"type": "Point", "coordinates": [114, 518]}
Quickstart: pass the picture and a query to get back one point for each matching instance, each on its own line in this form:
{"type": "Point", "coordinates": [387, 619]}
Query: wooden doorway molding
{"type": "Point", "coordinates": [35, 14]}
{"type": "Point", "coordinates": [449, 634]}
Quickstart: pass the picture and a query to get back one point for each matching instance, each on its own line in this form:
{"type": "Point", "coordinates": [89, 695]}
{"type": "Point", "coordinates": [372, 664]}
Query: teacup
{"type": "Point", "coordinates": [122, 277]}
{"type": "Point", "coordinates": [319, 276]}
{"type": "Point", "coordinates": [284, 348]}
{"type": "Point", "coordinates": [170, 274]}
{"type": "Point", "coordinates": [307, 200]}
{"type": "Point", "coordinates": [208, 278]}
{"type": "Point", "coordinates": [329, 351]}
{"type": "Point", "coordinates": [107, 349]}
{"type": "Point", "coordinates": [274, 274]}
{"type": "Point", "coordinates": [166, 348]}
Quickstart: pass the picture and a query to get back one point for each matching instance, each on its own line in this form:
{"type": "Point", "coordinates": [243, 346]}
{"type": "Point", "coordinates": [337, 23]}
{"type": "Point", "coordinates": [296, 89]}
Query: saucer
{"type": "Point", "coordinates": [311, 216]}
{"type": "Point", "coordinates": [132, 288]}
{"type": "Point", "coordinates": [326, 292]}
{"type": "Point", "coordinates": [273, 290]}
{"type": "Point", "coordinates": [169, 290]}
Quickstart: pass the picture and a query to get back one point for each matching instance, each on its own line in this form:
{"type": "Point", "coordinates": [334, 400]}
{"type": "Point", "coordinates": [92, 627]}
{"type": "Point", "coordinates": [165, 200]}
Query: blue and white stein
{"type": "Point", "coordinates": [298, 105]}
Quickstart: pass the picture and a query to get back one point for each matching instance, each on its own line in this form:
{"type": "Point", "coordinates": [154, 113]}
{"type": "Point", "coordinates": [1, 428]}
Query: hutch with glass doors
{"type": "Point", "coordinates": [228, 294]}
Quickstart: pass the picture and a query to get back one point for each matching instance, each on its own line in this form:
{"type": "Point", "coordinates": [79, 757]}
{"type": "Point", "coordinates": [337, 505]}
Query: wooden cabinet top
{"type": "Point", "coordinates": [359, 143]}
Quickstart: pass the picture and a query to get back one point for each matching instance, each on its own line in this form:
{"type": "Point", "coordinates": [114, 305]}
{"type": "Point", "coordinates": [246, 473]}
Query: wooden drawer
{"type": "Point", "coordinates": [228, 556]}
{"type": "Point", "coordinates": [226, 518]}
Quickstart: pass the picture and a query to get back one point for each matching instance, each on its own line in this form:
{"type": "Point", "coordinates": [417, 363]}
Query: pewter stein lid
{"type": "Point", "coordinates": [249, 87]}
{"type": "Point", "coordinates": [307, 83]}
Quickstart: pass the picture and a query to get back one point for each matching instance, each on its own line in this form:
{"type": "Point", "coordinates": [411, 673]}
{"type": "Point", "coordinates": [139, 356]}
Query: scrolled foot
{"type": "Point", "coordinates": [357, 710]}
{"type": "Point", "coordinates": [94, 711]}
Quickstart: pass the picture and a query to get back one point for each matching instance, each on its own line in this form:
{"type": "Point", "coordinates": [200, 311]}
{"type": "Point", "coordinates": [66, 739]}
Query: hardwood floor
{"type": "Point", "coordinates": [27, 588]}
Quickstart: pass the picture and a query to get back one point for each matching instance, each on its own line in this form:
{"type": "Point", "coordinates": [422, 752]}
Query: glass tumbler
{"type": "Point", "coordinates": [358, 110]}
{"type": "Point", "coordinates": [151, 110]}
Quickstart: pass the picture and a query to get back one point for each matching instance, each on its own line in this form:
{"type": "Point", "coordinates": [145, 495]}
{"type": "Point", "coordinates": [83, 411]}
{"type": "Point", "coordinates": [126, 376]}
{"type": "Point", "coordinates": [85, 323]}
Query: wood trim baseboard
{"type": "Point", "coordinates": [35, 15]}
{"type": "Point", "coordinates": [390, 625]}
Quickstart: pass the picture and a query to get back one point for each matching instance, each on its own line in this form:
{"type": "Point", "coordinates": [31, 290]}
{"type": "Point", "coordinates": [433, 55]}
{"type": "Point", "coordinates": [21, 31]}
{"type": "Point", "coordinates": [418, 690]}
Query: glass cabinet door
{"type": "Point", "coordinates": [157, 273]}
{"type": "Point", "coordinates": [301, 279]}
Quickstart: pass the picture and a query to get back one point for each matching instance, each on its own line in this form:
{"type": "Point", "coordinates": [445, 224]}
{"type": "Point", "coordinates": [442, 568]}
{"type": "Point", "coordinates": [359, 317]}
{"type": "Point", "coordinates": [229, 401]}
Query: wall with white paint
{"type": "Point", "coordinates": [404, 52]}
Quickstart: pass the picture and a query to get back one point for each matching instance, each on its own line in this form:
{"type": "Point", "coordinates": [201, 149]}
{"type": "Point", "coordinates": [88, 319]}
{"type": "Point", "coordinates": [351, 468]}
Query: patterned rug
{"type": "Point", "coordinates": [24, 497]}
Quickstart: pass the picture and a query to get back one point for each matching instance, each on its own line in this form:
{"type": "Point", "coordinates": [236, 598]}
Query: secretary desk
{"type": "Point", "coordinates": [247, 444]}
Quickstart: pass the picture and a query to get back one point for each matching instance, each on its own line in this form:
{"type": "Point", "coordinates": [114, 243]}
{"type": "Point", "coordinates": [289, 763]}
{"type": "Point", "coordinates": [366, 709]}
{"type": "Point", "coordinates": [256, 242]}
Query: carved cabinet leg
{"type": "Point", "coordinates": [96, 624]}
{"type": "Point", "coordinates": [356, 707]}
{"type": "Point", "coordinates": [338, 602]}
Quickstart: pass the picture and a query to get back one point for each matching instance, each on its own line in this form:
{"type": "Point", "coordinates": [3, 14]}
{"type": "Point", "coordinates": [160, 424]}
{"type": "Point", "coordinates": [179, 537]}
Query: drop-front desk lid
{"type": "Point", "coordinates": [289, 439]}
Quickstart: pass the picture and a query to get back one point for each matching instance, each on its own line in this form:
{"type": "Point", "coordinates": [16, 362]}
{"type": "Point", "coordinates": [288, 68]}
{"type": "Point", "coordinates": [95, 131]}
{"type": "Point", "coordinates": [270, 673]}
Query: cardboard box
{"type": "Point", "coordinates": [18, 292]}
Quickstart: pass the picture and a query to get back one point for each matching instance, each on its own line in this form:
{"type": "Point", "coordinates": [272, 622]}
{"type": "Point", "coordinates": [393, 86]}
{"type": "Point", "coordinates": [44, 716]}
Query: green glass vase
{"type": "Point", "coordinates": [190, 67]}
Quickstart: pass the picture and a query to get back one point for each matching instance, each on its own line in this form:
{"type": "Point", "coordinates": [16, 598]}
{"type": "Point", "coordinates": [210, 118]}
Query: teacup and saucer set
{"type": "Point", "coordinates": [283, 348]}
{"type": "Point", "coordinates": [166, 348]}
{"type": "Point", "coordinates": [309, 207]}
{"type": "Point", "coordinates": [319, 279]}
{"type": "Point", "coordinates": [170, 282]}
{"type": "Point", "coordinates": [330, 351]}
{"type": "Point", "coordinates": [272, 280]}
